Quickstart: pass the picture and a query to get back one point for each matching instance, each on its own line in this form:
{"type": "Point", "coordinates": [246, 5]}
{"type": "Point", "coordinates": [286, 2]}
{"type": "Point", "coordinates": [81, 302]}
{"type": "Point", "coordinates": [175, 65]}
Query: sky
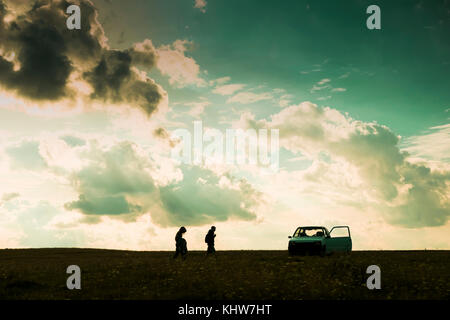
{"type": "Point", "coordinates": [88, 116]}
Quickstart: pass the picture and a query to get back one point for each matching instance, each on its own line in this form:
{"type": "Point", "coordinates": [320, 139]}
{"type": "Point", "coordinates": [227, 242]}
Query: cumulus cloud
{"type": "Point", "coordinates": [181, 70]}
{"type": "Point", "coordinates": [119, 182]}
{"type": "Point", "coordinates": [201, 198]}
{"type": "Point", "coordinates": [407, 194]}
{"type": "Point", "coordinates": [115, 182]}
{"type": "Point", "coordinates": [41, 60]}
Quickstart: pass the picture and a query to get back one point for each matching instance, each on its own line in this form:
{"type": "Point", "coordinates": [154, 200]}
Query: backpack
{"type": "Point", "coordinates": [208, 238]}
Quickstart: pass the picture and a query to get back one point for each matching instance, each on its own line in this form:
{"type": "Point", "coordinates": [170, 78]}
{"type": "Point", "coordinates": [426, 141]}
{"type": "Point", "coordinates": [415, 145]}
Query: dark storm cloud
{"type": "Point", "coordinates": [110, 74]}
{"type": "Point", "coordinates": [38, 56]}
{"type": "Point", "coordinates": [2, 15]}
{"type": "Point", "coordinates": [42, 53]}
{"type": "Point", "coordinates": [114, 80]}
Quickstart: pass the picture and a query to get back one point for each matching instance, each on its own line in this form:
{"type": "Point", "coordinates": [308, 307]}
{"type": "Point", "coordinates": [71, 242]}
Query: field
{"type": "Point", "coordinates": [111, 274]}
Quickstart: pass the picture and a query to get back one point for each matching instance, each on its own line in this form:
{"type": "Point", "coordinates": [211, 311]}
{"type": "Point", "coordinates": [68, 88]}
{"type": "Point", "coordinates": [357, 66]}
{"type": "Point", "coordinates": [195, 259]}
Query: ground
{"type": "Point", "coordinates": [111, 274]}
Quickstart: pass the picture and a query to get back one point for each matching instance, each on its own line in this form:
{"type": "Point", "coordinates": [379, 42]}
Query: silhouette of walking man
{"type": "Point", "coordinates": [180, 244]}
{"type": "Point", "coordinates": [209, 239]}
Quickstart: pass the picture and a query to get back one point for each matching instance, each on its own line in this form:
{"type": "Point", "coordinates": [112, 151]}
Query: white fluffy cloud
{"type": "Point", "coordinates": [405, 193]}
{"type": "Point", "coordinates": [181, 70]}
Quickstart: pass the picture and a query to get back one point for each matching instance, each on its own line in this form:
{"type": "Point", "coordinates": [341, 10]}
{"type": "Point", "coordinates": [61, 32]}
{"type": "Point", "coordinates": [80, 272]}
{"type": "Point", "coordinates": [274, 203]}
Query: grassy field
{"type": "Point", "coordinates": [110, 274]}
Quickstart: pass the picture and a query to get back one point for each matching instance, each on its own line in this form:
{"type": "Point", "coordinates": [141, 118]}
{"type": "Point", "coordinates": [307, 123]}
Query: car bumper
{"type": "Point", "coordinates": [305, 247]}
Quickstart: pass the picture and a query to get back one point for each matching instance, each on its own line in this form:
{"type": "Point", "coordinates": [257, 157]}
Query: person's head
{"type": "Point", "coordinates": [182, 230]}
{"type": "Point", "coordinates": [213, 228]}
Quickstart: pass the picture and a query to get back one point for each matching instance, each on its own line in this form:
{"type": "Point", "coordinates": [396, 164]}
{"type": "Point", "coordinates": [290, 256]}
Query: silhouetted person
{"type": "Point", "coordinates": [209, 239]}
{"type": "Point", "coordinates": [180, 244]}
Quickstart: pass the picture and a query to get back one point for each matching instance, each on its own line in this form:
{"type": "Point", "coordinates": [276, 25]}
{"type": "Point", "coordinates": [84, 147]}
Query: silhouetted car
{"type": "Point", "coordinates": [317, 240]}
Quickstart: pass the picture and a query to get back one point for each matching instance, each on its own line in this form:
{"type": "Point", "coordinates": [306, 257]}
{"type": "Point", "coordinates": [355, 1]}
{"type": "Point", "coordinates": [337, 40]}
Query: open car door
{"type": "Point", "coordinates": [339, 240]}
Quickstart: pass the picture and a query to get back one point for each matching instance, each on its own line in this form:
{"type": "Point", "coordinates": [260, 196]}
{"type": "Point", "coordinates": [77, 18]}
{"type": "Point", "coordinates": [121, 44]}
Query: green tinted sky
{"type": "Point", "coordinates": [87, 161]}
{"type": "Point", "coordinates": [397, 76]}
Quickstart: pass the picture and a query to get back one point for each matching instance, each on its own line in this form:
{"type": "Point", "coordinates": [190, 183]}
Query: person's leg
{"type": "Point", "coordinates": [177, 250]}
{"type": "Point", "coordinates": [184, 249]}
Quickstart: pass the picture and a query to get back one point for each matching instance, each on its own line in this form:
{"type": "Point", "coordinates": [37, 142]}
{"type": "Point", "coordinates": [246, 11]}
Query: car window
{"type": "Point", "coordinates": [309, 232]}
{"type": "Point", "coordinates": [339, 232]}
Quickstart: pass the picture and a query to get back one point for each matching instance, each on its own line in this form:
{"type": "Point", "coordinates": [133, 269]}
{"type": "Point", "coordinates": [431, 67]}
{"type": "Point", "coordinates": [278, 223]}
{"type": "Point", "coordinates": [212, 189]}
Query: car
{"type": "Point", "coordinates": [317, 240]}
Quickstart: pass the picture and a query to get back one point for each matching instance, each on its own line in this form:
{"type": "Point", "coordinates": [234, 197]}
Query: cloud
{"type": "Point", "coordinates": [10, 196]}
{"type": "Point", "coordinates": [34, 221]}
{"type": "Point", "coordinates": [114, 80]}
{"type": "Point", "coordinates": [197, 108]}
{"type": "Point", "coordinates": [120, 182]}
{"type": "Point", "coordinates": [318, 88]}
{"type": "Point", "coordinates": [431, 145]}
{"type": "Point", "coordinates": [324, 84]}
{"type": "Point", "coordinates": [73, 141]}
{"type": "Point", "coordinates": [26, 155]}
{"type": "Point", "coordinates": [406, 194]}
{"type": "Point", "coordinates": [114, 183]}
{"type": "Point", "coordinates": [42, 61]}
{"type": "Point", "coordinates": [200, 199]}
{"type": "Point", "coordinates": [200, 4]}
{"type": "Point", "coordinates": [219, 81]}
{"type": "Point", "coordinates": [323, 81]}
{"type": "Point", "coordinates": [249, 97]}
{"type": "Point", "coordinates": [181, 70]}
{"type": "Point", "coordinates": [228, 89]}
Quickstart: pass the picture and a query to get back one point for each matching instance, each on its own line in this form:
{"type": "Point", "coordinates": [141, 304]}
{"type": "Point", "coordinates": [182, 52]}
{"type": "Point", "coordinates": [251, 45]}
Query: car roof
{"type": "Point", "coordinates": [312, 227]}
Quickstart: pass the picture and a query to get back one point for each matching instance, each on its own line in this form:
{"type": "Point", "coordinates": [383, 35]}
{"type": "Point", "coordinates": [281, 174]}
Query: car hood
{"type": "Point", "coordinates": [307, 239]}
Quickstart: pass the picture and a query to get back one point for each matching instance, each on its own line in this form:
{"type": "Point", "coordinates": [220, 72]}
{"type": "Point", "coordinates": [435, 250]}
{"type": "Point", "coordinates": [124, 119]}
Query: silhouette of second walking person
{"type": "Point", "coordinates": [209, 239]}
{"type": "Point", "coordinates": [180, 244]}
